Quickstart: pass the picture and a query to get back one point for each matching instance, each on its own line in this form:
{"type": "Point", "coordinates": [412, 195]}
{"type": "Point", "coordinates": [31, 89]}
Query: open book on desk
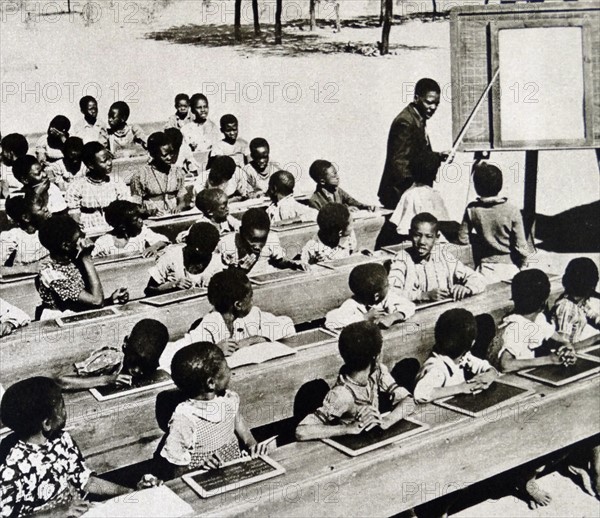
{"type": "Point", "coordinates": [258, 353]}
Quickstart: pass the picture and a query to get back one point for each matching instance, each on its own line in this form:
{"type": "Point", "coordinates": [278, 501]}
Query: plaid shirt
{"type": "Point", "coordinates": [316, 250]}
{"type": "Point", "coordinates": [571, 318]}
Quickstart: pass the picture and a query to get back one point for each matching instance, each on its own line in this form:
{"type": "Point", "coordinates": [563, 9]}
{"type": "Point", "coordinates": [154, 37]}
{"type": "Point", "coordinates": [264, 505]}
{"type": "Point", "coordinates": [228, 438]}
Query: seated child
{"type": "Point", "coordinates": [371, 300]}
{"type": "Point", "coordinates": [284, 207]}
{"type": "Point", "coordinates": [420, 196]}
{"type": "Point", "coordinates": [182, 115]}
{"type": "Point", "coordinates": [222, 175]}
{"type": "Point", "coordinates": [11, 318]}
{"type": "Point", "coordinates": [124, 140]}
{"type": "Point", "coordinates": [68, 281]}
{"type": "Point", "coordinates": [89, 195]}
{"type": "Point", "coordinates": [451, 368]}
{"type": "Point", "coordinates": [423, 273]}
{"type": "Point", "coordinates": [214, 207]}
{"type": "Point", "coordinates": [184, 158]}
{"type": "Point", "coordinates": [90, 129]}
{"type": "Point", "coordinates": [352, 405]}
{"type": "Point", "coordinates": [63, 171]}
{"type": "Point", "coordinates": [201, 133]}
{"type": "Point", "coordinates": [45, 470]}
{"type": "Point", "coordinates": [576, 314]}
{"type": "Point", "coordinates": [494, 227]}
{"type": "Point", "coordinates": [234, 322]}
{"type": "Point", "coordinates": [135, 360]}
{"type": "Point", "coordinates": [335, 238]}
{"type": "Point", "coordinates": [231, 145]}
{"type": "Point", "coordinates": [14, 146]}
{"type": "Point", "coordinates": [49, 147]}
{"type": "Point", "coordinates": [254, 247]}
{"type": "Point", "coordinates": [528, 339]}
{"type": "Point", "coordinates": [129, 235]}
{"type": "Point", "coordinates": [20, 246]}
{"type": "Point", "coordinates": [34, 178]}
{"type": "Point", "coordinates": [187, 266]}
{"type": "Point", "coordinates": [159, 186]}
{"type": "Point", "coordinates": [326, 176]}
{"type": "Point", "coordinates": [255, 175]}
{"type": "Point", "coordinates": [207, 429]}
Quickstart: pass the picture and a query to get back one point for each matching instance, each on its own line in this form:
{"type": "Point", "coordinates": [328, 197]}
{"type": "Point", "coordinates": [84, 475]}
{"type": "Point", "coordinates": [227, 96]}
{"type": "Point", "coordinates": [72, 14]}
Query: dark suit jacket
{"type": "Point", "coordinates": [407, 141]}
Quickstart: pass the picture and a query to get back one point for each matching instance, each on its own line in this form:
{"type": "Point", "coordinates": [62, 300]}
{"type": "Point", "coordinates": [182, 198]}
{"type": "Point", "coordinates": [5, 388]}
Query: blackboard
{"type": "Point", "coordinates": [160, 378]}
{"type": "Point", "coordinates": [352, 260]}
{"type": "Point", "coordinates": [16, 277]}
{"type": "Point", "coordinates": [558, 375]}
{"type": "Point", "coordinates": [233, 475]}
{"type": "Point", "coordinates": [87, 316]}
{"type": "Point", "coordinates": [355, 445]}
{"type": "Point", "coordinates": [308, 338]}
{"type": "Point", "coordinates": [277, 276]}
{"type": "Point", "coordinates": [175, 296]}
{"type": "Point", "coordinates": [498, 394]}
{"type": "Point", "coordinates": [592, 352]}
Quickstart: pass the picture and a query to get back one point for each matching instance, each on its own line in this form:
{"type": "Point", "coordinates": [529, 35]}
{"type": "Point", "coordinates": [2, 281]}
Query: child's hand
{"type": "Point", "coordinates": [228, 346]}
{"type": "Point", "coordinates": [374, 315]}
{"type": "Point", "coordinates": [77, 507]}
{"type": "Point", "coordinates": [301, 265]}
{"type": "Point", "coordinates": [183, 284]}
{"type": "Point", "coordinates": [6, 328]}
{"type": "Point", "coordinates": [487, 377]}
{"type": "Point", "coordinates": [84, 247]}
{"type": "Point", "coordinates": [387, 321]}
{"type": "Point", "coordinates": [475, 385]}
{"type": "Point", "coordinates": [367, 418]}
{"type": "Point", "coordinates": [459, 292]}
{"type": "Point", "coordinates": [261, 448]}
{"type": "Point", "coordinates": [372, 208]}
{"type": "Point", "coordinates": [151, 251]}
{"type": "Point", "coordinates": [251, 340]}
{"type": "Point", "coordinates": [566, 355]}
{"type": "Point", "coordinates": [437, 294]}
{"type": "Point", "coordinates": [124, 379]}
{"type": "Point", "coordinates": [120, 296]}
{"type": "Point", "coordinates": [148, 481]}
{"type": "Point", "coordinates": [212, 462]}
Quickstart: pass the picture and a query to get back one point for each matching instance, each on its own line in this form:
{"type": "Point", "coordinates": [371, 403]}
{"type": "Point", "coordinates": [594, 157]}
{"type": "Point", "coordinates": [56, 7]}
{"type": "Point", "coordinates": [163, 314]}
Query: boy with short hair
{"type": "Point", "coordinates": [90, 129]}
{"type": "Point", "coordinates": [352, 405]}
{"type": "Point", "coordinates": [422, 273]}
{"type": "Point", "coordinates": [284, 207]}
{"type": "Point", "coordinates": [187, 266]}
{"type": "Point", "coordinates": [326, 176]}
{"type": "Point", "coordinates": [494, 227]}
{"type": "Point", "coordinates": [122, 137]}
{"type": "Point", "coordinates": [231, 145]}
{"type": "Point", "coordinates": [255, 175]}
{"type": "Point", "coordinates": [223, 174]}
{"type": "Point", "coordinates": [70, 166]}
{"type": "Point", "coordinates": [451, 368]}
{"type": "Point", "coordinates": [182, 115]}
{"type": "Point", "coordinates": [254, 247]}
{"type": "Point", "coordinates": [335, 238]}
{"type": "Point", "coordinates": [14, 145]}
{"type": "Point", "coordinates": [371, 300]}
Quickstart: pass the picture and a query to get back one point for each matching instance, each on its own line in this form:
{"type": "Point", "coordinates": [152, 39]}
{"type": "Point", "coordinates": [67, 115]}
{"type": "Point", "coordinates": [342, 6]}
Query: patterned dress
{"type": "Point", "coordinates": [157, 191]}
{"type": "Point", "coordinates": [58, 284]}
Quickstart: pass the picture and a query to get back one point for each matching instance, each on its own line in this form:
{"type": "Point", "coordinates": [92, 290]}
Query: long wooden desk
{"type": "Point", "coordinates": [104, 429]}
{"type": "Point", "coordinates": [455, 453]}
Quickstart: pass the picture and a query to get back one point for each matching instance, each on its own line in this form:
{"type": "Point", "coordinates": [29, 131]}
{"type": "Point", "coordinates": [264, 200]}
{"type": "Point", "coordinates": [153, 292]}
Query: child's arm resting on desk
{"type": "Point", "coordinates": [509, 363]}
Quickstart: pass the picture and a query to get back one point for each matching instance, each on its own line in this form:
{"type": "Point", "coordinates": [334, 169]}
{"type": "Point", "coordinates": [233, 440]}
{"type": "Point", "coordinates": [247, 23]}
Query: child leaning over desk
{"type": "Point", "coordinates": [352, 405]}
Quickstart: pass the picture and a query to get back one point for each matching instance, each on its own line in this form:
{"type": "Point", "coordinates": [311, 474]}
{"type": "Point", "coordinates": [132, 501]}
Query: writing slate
{"type": "Point", "coordinates": [160, 378]}
{"type": "Point", "coordinates": [593, 352]}
{"type": "Point", "coordinates": [292, 225]}
{"type": "Point", "coordinates": [497, 394]}
{"type": "Point", "coordinates": [365, 441]}
{"type": "Point", "coordinates": [558, 375]}
{"type": "Point", "coordinates": [394, 249]}
{"type": "Point", "coordinates": [308, 338]}
{"type": "Point", "coordinates": [354, 259]}
{"type": "Point", "coordinates": [276, 276]}
{"type": "Point", "coordinates": [425, 305]}
{"type": "Point", "coordinates": [116, 258]}
{"type": "Point", "coordinates": [175, 296]}
{"type": "Point", "coordinates": [16, 277]}
{"type": "Point", "coordinates": [86, 316]}
{"type": "Point", "coordinates": [233, 475]}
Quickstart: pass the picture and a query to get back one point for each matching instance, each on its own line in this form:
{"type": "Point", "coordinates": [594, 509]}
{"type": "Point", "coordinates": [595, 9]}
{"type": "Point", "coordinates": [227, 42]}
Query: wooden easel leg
{"type": "Point", "coordinates": [530, 195]}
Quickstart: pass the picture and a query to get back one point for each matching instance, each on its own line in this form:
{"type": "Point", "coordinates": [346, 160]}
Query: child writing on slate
{"type": "Point", "coordinates": [256, 174]}
{"type": "Point", "coordinates": [129, 235]}
{"type": "Point", "coordinates": [451, 369]}
{"type": "Point", "coordinates": [494, 227]}
{"type": "Point", "coordinates": [207, 429]}
{"type": "Point", "coordinates": [231, 145]}
{"type": "Point", "coordinates": [45, 472]}
{"type": "Point", "coordinates": [335, 238]}
{"type": "Point", "coordinates": [187, 266]}
{"type": "Point", "coordinates": [136, 360]}
{"type": "Point", "coordinates": [352, 405]}
{"type": "Point", "coordinates": [326, 176]}
{"type": "Point", "coordinates": [422, 272]}
{"type": "Point", "coordinates": [576, 314]}
{"type": "Point", "coordinates": [182, 115]}
{"type": "Point", "coordinates": [68, 281]}
{"type": "Point", "coordinates": [49, 147]}
{"type": "Point", "coordinates": [123, 139]}
{"type": "Point", "coordinates": [528, 339]}
{"type": "Point", "coordinates": [254, 248]}
{"type": "Point", "coordinates": [234, 322]}
{"type": "Point", "coordinates": [284, 207]}
{"type": "Point", "coordinates": [371, 300]}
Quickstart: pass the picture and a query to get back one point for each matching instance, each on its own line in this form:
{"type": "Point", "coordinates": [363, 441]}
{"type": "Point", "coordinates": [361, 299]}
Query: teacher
{"type": "Point", "coordinates": [408, 141]}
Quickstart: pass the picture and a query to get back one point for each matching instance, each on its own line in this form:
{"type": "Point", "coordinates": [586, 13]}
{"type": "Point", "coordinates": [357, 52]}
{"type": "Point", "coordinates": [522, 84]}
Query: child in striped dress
{"type": "Point", "coordinates": [207, 428]}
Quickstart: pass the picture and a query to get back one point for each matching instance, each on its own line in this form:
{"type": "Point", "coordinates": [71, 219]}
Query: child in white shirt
{"type": "Point", "coordinates": [284, 207]}
{"type": "Point", "coordinates": [231, 145]}
{"type": "Point", "coordinates": [11, 318]}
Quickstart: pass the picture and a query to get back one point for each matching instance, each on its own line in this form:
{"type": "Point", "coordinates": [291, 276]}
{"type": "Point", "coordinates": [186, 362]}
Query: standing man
{"type": "Point", "coordinates": [408, 141]}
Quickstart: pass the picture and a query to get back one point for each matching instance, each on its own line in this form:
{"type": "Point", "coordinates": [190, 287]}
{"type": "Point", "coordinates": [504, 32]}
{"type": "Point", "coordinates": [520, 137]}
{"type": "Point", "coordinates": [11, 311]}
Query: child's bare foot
{"type": "Point", "coordinates": [581, 478]}
{"type": "Point", "coordinates": [537, 496]}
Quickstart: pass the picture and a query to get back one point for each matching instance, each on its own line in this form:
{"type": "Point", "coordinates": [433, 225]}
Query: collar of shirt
{"type": "Point", "coordinates": [214, 410]}
{"type": "Point", "coordinates": [120, 133]}
{"type": "Point", "coordinates": [452, 367]}
{"type": "Point", "coordinates": [491, 200]}
{"type": "Point", "coordinates": [94, 181]}
{"type": "Point", "coordinates": [418, 114]}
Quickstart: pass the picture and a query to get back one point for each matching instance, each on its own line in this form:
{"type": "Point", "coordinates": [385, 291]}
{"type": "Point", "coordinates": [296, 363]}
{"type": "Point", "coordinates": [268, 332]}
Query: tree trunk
{"type": "Point", "coordinates": [435, 6]}
{"type": "Point", "coordinates": [338, 25]}
{"type": "Point", "coordinates": [387, 25]}
{"type": "Point", "coordinates": [237, 31]}
{"type": "Point", "coordinates": [381, 12]}
{"type": "Point", "coordinates": [256, 15]}
{"type": "Point", "coordinates": [313, 16]}
{"type": "Point", "coordinates": [69, 6]}
{"type": "Point", "coordinates": [278, 9]}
